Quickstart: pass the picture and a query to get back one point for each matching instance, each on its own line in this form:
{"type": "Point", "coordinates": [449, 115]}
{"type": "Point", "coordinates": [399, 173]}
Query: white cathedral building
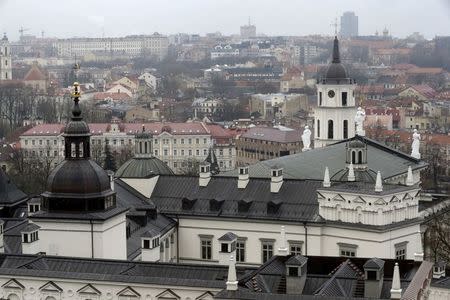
{"type": "Point", "coordinates": [5, 59]}
{"type": "Point", "coordinates": [100, 237]}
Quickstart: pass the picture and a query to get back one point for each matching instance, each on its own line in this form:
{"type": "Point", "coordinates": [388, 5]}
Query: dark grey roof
{"type": "Point", "coordinates": [10, 195]}
{"type": "Point", "coordinates": [311, 164]}
{"type": "Point", "coordinates": [30, 227]}
{"type": "Point", "coordinates": [297, 260]}
{"type": "Point", "coordinates": [443, 283]}
{"type": "Point", "coordinates": [296, 200]}
{"type": "Point", "coordinates": [137, 167]}
{"type": "Point", "coordinates": [165, 274]}
{"type": "Point", "coordinates": [374, 263]}
{"type": "Point", "coordinates": [227, 237]}
{"type": "Point", "coordinates": [101, 215]}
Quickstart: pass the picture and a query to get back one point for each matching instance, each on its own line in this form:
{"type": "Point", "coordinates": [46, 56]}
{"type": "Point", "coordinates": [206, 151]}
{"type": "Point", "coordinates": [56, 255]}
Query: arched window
{"type": "Point", "coordinates": [320, 98]}
{"type": "Point", "coordinates": [345, 129]}
{"type": "Point", "coordinates": [353, 157]}
{"type": "Point", "coordinates": [318, 128]}
{"type": "Point", "coordinates": [13, 297]}
{"type": "Point", "coordinates": [330, 129]}
{"type": "Point", "coordinates": [360, 160]}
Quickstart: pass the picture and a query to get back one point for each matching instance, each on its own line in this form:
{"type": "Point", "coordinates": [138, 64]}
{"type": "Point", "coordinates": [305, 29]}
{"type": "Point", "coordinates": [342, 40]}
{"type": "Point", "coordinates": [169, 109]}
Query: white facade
{"type": "Point", "coordinates": [5, 60]}
{"type": "Point", "coordinates": [149, 45]}
{"type": "Point", "coordinates": [335, 113]}
{"type": "Point", "coordinates": [79, 238]}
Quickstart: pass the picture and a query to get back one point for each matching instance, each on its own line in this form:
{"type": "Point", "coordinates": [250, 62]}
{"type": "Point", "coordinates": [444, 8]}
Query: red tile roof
{"type": "Point", "coordinates": [425, 71]}
{"type": "Point", "coordinates": [129, 128]}
{"type": "Point", "coordinates": [34, 74]}
{"type": "Point", "coordinates": [114, 96]}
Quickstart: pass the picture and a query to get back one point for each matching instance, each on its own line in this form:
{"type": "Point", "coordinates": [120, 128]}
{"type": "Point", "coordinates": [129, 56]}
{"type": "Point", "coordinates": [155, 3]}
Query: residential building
{"type": "Point", "coordinates": [36, 79]}
{"type": "Point", "coordinates": [5, 59]}
{"type": "Point", "coordinates": [349, 25]}
{"type": "Point", "coordinates": [173, 143]}
{"type": "Point", "coordinates": [262, 143]}
{"type": "Point", "coordinates": [206, 107]}
{"type": "Point", "coordinates": [220, 51]}
{"type": "Point", "coordinates": [271, 106]}
{"type": "Point", "coordinates": [155, 45]}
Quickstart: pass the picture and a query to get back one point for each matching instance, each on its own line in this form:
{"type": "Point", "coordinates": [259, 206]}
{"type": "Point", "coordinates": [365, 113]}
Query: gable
{"type": "Point", "coordinates": [394, 199]}
{"type": "Point", "coordinates": [50, 287]}
{"type": "Point", "coordinates": [13, 284]}
{"type": "Point", "coordinates": [359, 199]}
{"type": "Point", "coordinates": [338, 197]}
{"type": "Point", "coordinates": [167, 294]}
{"type": "Point", "coordinates": [320, 196]}
{"type": "Point", "coordinates": [380, 201]}
{"type": "Point", "coordinates": [89, 289]}
{"type": "Point", "coordinates": [128, 292]}
{"type": "Point", "coordinates": [205, 296]}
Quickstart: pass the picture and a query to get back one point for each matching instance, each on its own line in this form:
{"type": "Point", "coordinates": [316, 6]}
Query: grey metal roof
{"type": "Point", "coordinates": [367, 188]}
{"type": "Point", "coordinates": [311, 164]}
{"type": "Point", "coordinates": [30, 227]}
{"type": "Point", "coordinates": [229, 236]}
{"type": "Point", "coordinates": [296, 200]}
{"type": "Point", "coordinates": [297, 260]}
{"type": "Point", "coordinates": [374, 263]}
{"type": "Point", "coordinates": [165, 274]}
{"type": "Point", "coordinates": [137, 167]}
{"type": "Point", "coordinates": [9, 193]}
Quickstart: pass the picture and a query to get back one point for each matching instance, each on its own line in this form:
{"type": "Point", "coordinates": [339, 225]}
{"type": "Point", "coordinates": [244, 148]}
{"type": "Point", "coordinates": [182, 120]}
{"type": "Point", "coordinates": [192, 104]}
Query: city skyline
{"type": "Point", "coordinates": [200, 16]}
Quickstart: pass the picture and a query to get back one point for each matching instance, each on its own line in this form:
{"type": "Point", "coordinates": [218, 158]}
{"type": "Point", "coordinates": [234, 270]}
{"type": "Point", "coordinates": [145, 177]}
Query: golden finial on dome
{"type": "Point", "coordinates": [76, 90]}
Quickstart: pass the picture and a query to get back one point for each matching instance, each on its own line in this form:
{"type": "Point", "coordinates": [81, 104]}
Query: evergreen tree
{"type": "Point", "coordinates": [110, 162]}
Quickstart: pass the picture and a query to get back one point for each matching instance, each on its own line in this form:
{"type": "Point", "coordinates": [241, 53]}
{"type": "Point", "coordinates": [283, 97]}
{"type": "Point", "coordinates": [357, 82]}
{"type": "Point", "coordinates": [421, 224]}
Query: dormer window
{"type": "Point", "coordinates": [32, 208]}
{"type": "Point", "coordinates": [150, 243]}
{"type": "Point", "coordinates": [30, 237]}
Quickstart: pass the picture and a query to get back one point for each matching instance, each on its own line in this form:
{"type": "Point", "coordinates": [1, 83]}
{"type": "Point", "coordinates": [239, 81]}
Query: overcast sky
{"type": "Point", "coordinates": [68, 18]}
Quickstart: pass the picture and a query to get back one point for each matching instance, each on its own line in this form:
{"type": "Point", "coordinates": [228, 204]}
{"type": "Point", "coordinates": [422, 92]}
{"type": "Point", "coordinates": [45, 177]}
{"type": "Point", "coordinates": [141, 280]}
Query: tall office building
{"type": "Point", "coordinates": [349, 24]}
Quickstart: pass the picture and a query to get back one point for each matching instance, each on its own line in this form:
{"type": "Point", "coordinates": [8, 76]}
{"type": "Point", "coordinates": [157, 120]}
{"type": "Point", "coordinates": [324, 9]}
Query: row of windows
{"type": "Point", "coordinates": [267, 249]}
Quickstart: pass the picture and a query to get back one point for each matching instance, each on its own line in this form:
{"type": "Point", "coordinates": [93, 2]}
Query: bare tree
{"type": "Point", "coordinates": [437, 237]}
{"type": "Point", "coordinates": [190, 167]}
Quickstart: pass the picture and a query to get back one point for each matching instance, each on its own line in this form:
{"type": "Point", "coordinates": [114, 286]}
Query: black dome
{"type": "Point", "coordinates": [76, 128]}
{"type": "Point", "coordinates": [143, 168]}
{"type": "Point", "coordinates": [336, 71]}
{"type": "Point", "coordinates": [356, 144]}
{"type": "Point", "coordinates": [83, 178]}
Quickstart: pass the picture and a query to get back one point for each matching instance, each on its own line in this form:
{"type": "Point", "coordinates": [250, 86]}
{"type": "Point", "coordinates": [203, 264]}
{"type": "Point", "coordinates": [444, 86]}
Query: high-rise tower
{"type": "Point", "coordinates": [349, 24]}
{"type": "Point", "coordinates": [336, 107]}
{"type": "Point", "coordinates": [5, 59]}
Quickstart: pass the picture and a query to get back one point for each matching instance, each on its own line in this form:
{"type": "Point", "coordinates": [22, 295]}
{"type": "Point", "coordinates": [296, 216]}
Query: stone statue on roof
{"type": "Point", "coordinates": [415, 144]}
{"type": "Point", "coordinates": [306, 138]}
{"type": "Point", "coordinates": [359, 121]}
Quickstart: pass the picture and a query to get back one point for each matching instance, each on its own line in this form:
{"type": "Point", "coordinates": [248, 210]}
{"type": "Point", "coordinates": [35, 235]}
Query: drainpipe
{"type": "Point", "coordinates": [306, 238]}
{"type": "Point", "coordinates": [92, 238]}
{"type": "Point", "coordinates": [178, 240]}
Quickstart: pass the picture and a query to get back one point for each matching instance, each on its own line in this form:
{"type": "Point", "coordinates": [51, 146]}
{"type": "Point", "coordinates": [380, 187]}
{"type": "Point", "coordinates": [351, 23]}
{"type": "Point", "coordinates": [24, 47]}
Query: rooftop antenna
{"type": "Point", "coordinates": [249, 23]}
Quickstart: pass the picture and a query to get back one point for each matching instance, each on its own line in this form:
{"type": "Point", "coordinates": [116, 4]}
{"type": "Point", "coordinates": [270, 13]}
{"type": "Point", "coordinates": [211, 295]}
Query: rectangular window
{"type": "Point", "coordinates": [146, 244]}
{"type": "Point", "coordinates": [204, 141]}
{"type": "Point", "coordinates": [240, 251]}
{"type": "Point", "coordinates": [205, 152]}
{"type": "Point", "coordinates": [267, 250]}
{"type": "Point", "coordinates": [206, 248]}
{"type": "Point", "coordinates": [347, 250]}
{"type": "Point", "coordinates": [197, 152]}
{"type": "Point", "coordinates": [165, 152]}
{"type": "Point", "coordinates": [182, 141]}
{"type": "Point", "coordinates": [344, 98]}
{"type": "Point", "coordinates": [295, 248]}
{"type": "Point", "coordinates": [156, 152]}
{"type": "Point", "coordinates": [197, 141]}
{"type": "Point", "coordinates": [190, 152]}
{"type": "Point", "coordinates": [400, 251]}
{"type": "Point", "coordinates": [190, 141]}
{"type": "Point", "coordinates": [175, 152]}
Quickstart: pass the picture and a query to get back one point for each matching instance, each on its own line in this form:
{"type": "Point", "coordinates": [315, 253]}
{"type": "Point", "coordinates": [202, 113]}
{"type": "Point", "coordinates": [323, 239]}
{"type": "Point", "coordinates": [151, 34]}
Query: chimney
{"type": "Point", "coordinates": [296, 271]}
{"type": "Point", "coordinates": [326, 178]}
{"type": "Point", "coordinates": [283, 249]}
{"type": "Point", "coordinates": [439, 269]}
{"type": "Point", "coordinates": [396, 290]}
{"type": "Point", "coordinates": [205, 174]}
{"type": "Point", "coordinates": [418, 256]}
{"type": "Point", "coordinates": [276, 179]}
{"type": "Point", "coordinates": [374, 277]}
{"type": "Point", "coordinates": [378, 183]}
{"type": "Point", "coordinates": [409, 177]}
{"type": "Point", "coordinates": [111, 179]}
{"type": "Point", "coordinates": [243, 177]}
{"type": "Point", "coordinates": [232, 283]}
{"type": "Point", "coordinates": [351, 173]}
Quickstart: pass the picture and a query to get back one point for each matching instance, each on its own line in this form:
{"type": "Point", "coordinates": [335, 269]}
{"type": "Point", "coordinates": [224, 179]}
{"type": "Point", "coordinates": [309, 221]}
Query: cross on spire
{"type": "Point", "coordinates": [335, 25]}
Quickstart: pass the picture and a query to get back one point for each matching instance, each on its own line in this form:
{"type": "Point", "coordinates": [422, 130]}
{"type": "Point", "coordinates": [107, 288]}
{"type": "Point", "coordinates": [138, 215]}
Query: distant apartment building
{"type": "Point", "coordinates": [206, 107]}
{"type": "Point", "coordinates": [173, 143]}
{"type": "Point", "coordinates": [149, 45]}
{"type": "Point", "coordinates": [270, 106]}
{"type": "Point", "coordinates": [349, 24]}
{"type": "Point", "coordinates": [220, 51]}
{"type": "Point", "coordinates": [263, 143]}
{"type": "Point", "coordinates": [248, 31]}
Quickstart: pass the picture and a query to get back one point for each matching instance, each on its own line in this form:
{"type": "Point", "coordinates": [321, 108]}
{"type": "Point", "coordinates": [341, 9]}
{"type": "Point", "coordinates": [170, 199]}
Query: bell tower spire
{"type": "Point", "coordinates": [5, 59]}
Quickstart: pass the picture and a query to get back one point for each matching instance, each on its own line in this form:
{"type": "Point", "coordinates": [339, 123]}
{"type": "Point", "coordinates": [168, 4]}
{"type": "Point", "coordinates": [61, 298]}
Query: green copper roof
{"type": "Point", "coordinates": [143, 167]}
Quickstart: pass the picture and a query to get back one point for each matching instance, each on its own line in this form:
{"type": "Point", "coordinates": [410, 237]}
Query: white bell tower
{"type": "Point", "coordinates": [336, 107]}
{"type": "Point", "coordinates": [5, 59]}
